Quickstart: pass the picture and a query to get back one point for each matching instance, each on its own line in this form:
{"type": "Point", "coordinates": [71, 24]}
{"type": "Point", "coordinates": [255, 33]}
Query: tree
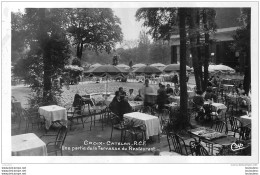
{"type": "Point", "coordinates": [130, 64]}
{"type": "Point", "coordinates": [162, 22]}
{"type": "Point", "coordinates": [17, 38]}
{"type": "Point", "coordinates": [93, 28]}
{"type": "Point", "coordinates": [76, 62]}
{"type": "Point", "coordinates": [182, 13]}
{"type": "Point", "coordinates": [143, 46]}
{"type": "Point", "coordinates": [48, 53]}
{"type": "Point", "coordinates": [242, 40]}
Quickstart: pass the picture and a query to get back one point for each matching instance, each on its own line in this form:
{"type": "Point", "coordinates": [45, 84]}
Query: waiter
{"type": "Point", "coordinates": [146, 89]}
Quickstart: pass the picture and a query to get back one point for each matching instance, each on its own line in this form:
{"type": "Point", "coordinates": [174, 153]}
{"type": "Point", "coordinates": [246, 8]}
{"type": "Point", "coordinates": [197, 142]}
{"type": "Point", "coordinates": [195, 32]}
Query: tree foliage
{"type": "Point", "coordinates": [242, 43]}
{"type": "Point", "coordinates": [97, 29]}
{"type": "Point", "coordinates": [48, 53]}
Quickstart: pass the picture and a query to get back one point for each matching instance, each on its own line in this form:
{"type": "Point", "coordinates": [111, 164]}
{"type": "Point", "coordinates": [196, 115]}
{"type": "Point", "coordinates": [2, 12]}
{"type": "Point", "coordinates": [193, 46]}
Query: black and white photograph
{"type": "Point", "coordinates": [130, 82]}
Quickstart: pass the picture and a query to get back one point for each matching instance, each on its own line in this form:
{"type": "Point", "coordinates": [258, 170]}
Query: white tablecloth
{"type": "Point", "coordinates": [134, 104]}
{"type": "Point", "coordinates": [53, 113]}
{"type": "Point", "coordinates": [175, 99]}
{"type": "Point", "coordinates": [152, 122]}
{"type": "Point", "coordinates": [28, 145]}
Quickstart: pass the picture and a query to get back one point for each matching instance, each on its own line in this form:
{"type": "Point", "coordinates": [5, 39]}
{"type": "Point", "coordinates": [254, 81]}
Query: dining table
{"type": "Point", "coordinates": [211, 137]}
{"type": "Point", "coordinates": [28, 145]}
{"type": "Point", "coordinates": [53, 113]}
{"type": "Point", "coordinates": [151, 122]}
{"type": "Point", "coordinates": [175, 99]}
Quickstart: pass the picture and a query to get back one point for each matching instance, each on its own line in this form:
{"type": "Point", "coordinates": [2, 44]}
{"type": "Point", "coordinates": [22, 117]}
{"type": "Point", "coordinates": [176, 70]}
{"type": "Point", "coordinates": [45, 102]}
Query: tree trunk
{"type": "Point", "coordinates": [183, 86]}
{"type": "Point", "coordinates": [247, 77]}
{"type": "Point", "coordinates": [43, 40]}
{"type": "Point", "coordinates": [206, 59]}
{"type": "Point", "coordinates": [193, 49]}
{"type": "Point", "coordinates": [79, 50]}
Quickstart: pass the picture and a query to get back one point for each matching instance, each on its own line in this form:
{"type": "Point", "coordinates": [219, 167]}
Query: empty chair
{"type": "Point", "coordinates": [219, 125]}
{"type": "Point", "coordinates": [56, 146]}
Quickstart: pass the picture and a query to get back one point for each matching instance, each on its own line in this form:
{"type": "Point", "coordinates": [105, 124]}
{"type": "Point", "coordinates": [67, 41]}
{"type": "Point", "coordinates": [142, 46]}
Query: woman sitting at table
{"type": "Point", "coordinates": [162, 98]}
{"type": "Point", "coordinates": [131, 96]}
{"type": "Point", "coordinates": [77, 101]}
{"type": "Point", "coordinates": [240, 89]}
{"type": "Point", "coordinates": [176, 91]}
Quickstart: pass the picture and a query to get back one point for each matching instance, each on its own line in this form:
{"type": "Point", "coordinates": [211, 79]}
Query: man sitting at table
{"type": "Point", "coordinates": [119, 106]}
{"type": "Point", "coordinates": [122, 92]}
{"type": "Point", "coordinates": [146, 89]}
{"type": "Point", "coordinates": [176, 91]}
{"type": "Point", "coordinates": [169, 90]}
{"type": "Point", "coordinates": [199, 102]}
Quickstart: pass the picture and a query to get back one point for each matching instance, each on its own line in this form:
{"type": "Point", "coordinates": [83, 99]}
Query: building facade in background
{"type": "Point", "coordinates": [220, 50]}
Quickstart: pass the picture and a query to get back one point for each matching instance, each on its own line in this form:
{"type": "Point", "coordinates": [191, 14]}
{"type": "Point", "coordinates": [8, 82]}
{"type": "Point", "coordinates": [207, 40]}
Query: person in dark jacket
{"type": "Point", "coordinates": [199, 102]}
{"type": "Point", "coordinates": [77, 101]}
{"type": "Point", "coordinates": [162, 98]}
{"type": "Point", "coordinates": [119, 106]}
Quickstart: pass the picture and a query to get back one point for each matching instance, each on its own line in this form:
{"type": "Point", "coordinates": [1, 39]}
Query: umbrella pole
{"type": "Point", "coordinates": [106, 87]}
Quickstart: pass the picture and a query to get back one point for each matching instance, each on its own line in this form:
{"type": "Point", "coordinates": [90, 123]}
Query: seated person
{"type": "Point", "coordinates": [169, 90]}
{"type": "Point", "coordinates": [119, 106]}
{"type": "Point", "coordinates": [240, 90]}
{"type": "Point", "coordinates": [122, 92]}
{"type": "Point", "coordinates": [176, 91]}
{"type": "Point", "coordinates": [208, 95]}
{"type": "Point", "coordinates": [131, 96]}
{"type": "Point", "coordinates": [77, 101]}
{"type": "Point", "coordinates": [162, 98]}
{"type": "Point", "coordinates": [199, 102]}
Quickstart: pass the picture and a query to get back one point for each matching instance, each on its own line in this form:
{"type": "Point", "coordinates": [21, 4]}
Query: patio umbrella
{"type": "Point", "coordinates": [174, 67]}
{"type": "Point", "coordinates": [224, 68]}
{"type": "Point", "coordinates": [105, 71]}
{"type": "Point", "coordinates": [138, 65]}
{"type": "Point", "coordinates": [158, 65]}
{"type": "Point", "coordinates": [95, 65]}
{"type": "Point", "coordinates": [147, 70]}
{"type": "Point", "coordinates": [123, 66]}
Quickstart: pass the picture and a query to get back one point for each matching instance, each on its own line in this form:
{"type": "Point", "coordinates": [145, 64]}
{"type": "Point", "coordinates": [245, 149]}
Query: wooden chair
{"type": "Point", "coordinates": [56, 145]}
